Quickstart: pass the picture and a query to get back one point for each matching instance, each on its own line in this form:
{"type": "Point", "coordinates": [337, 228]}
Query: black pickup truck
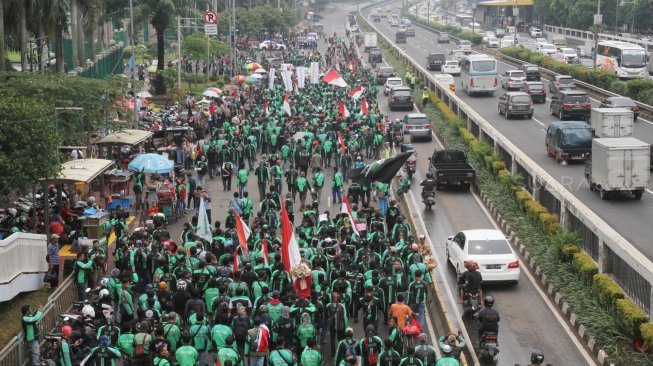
{"type": "Point", "coordinates": [450, 168]}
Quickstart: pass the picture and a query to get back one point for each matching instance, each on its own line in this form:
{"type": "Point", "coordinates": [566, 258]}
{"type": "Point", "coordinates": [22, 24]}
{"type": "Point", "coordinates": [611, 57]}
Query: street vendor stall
{"type": "Point", "coordinates": [158, 164]}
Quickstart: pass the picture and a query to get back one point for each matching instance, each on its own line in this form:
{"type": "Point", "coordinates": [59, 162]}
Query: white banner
{"type": "Point", "coordinates": [301, 77]}
{"type": "Point", "coordinates": [287, 79]}
{"type": "Point", "coordinates": [272, 76]}
{"type": "Point", "coordinates": [315, 72]}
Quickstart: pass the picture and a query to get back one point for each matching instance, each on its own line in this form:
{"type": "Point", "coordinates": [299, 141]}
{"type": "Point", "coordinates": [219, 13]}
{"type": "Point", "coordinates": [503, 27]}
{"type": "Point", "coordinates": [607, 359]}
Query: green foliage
{"type": "Point", "coordinates": [631, 316]}
{"type": "Point", "coordinates": [483, 150]}
{"type": "Point", "coordinates": [607, 289]}
{"type": "Point", "coordinates": [454, 31]}
{"type": "Point", "coordinates": [259, 20]}
{"type": "Point", "coordinates": [550, 222]}
{"type": "Point", "coordinates": [585, 266]}
{"type": "Point", "coordinates": [195, 47]}
{"type": "Point", "coordinates": [619, 86]}
{"type": "Point", "coordinates": [646, 330]}
{"type": "Point", "coordinates": [497, 166]}
{"type": "Point", "coordinates": [567, 252]}
{"type": "Point", "coordinates": [637, 86]}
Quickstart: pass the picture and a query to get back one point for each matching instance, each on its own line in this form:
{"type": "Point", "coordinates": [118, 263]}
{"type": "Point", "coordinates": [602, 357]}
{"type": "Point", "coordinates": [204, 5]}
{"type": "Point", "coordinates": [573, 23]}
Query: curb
{"type": "Point", "coordinates": [553, 294]}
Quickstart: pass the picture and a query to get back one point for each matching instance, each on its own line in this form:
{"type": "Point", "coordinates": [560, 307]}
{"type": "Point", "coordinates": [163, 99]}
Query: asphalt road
{"type": "Point", "coordinates": [528, 321]}
{"type": "Point", "coordinates": [630, 218]}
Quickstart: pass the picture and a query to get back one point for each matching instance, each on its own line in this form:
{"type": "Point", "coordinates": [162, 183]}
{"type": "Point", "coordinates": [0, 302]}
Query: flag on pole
{"type": "Point", "coordinates": [203, 224]}
{"type": "Point", "coordinates": [346, 209]}
{"type": "Point", "coordinates": [262, 339]}
{"type": "Point", "coordinates": [266, 256]}
{"type": "Point", "coordinates": [236, 260]}
{"type": "Point", "coordinates": [289, 249]}
{"type": "Point", "coordinates": [342, 110]}
{"type": "Point", "coordinates": [286, 105]}
{"type": "Point", "coordinates": [243, 232]}
{"type": "Point", "coordinates": [357, 93]}
{"type": "Point", "coordinates": [341, 141]}
{"type": "Point", "coordinates": [332, 77]}
{"type": "Point", "coordinates": [266, 108]}
{"type": "Point", "coordinates": [364, 106]}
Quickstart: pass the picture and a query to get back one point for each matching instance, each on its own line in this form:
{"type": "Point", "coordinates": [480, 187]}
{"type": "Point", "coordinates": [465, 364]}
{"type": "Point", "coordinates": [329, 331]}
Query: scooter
{"type": "Point", "coordinates": [489, 348]}
{"type": "Point", "coordinates": [429, 200]}
{"type": "Point", "coordinates": [471, 304]}
{"type": "Point", "coordinates": [404, 186]}
{"type": "Point", "coordinates": [410, 168]}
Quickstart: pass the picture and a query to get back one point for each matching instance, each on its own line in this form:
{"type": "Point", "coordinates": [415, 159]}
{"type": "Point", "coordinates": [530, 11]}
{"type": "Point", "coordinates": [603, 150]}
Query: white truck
{"type": "Point", "coordinates": [369, 41]}
{"type": "Point", "coordinates": [612, 122]}
{"type": "Point", "coordinates": [618, 164]}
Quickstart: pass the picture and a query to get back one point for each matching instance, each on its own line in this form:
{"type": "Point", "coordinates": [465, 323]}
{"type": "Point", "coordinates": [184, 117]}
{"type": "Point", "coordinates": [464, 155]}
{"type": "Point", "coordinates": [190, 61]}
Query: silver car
{"type": "Point", "coordinates": [390, 83]}
{"type": "Point", "coordinates": [512, 79]}
{"type": "Point", "coordinates": [418, 126]}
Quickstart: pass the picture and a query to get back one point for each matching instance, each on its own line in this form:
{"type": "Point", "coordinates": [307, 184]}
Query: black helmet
{"type": "Point", "coordinates": [488, 301]}
{"type": "Point", "coordinates": [429, 175]}
{"type": "Point", "coordinates": [537, 357]}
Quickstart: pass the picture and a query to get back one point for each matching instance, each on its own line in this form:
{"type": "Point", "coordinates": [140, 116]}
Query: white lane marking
{"type": "Point", "coordinates": [649, 191]}
{"type": "Point", "coordinates": [538, 121]}
{"type": "Point", "coordinates": [554, 310]}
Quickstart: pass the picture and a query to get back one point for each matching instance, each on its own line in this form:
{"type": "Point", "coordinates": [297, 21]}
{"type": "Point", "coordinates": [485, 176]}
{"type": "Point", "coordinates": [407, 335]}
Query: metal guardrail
{"type": "Point", "coordinates": [646, 111]}
{"type": "Point", "coordinates": [612, 252]}
{"type": "Point", "coordinates": [15, 352]}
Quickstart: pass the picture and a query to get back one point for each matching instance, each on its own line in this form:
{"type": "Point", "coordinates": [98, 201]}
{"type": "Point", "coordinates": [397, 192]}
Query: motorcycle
{"type": "Point", "coordinates": [429, 200]}
{"type": "Point", "coordinates": [410, 168]}
{"type": "Point", "coordinates": [50, 350]}
{"type": "Point", "coordinates": [489, 348]}
{"type": "Point", "coordinates": [404, 186]}
{"type": "Point", "coordinates": [471, 304]}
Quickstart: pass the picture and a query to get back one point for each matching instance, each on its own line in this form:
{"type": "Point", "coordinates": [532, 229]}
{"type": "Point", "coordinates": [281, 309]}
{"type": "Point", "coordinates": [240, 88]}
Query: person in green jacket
{"type": "Point", "coordinates": [65, 357]}
{"type": "Point", "coordinates": [302, 189]}
{"type": "Point", "coordinates": [318, 183]}
{"type": "Point", "coordinates": [336, 186]}
{"type": "Point", "coordinates": [311, 356]}
{"type": "Point", "coordinates": [31, 332]}
{"type": "Point", "coordinates": [171, 331]}
{"type": "Point", "coordinates": [410, 359]}
{"type": "Point", "coordinates": [304, 332]}
{"type": "Point", "coordinates": [229, 353]}
{"type": "Point", "coordinates": [186, 355]}
{"type": "Point", "coordinates": [126, 343]}
{"type": "Point", "coordinates": [241, 178]}
{"type": "Point", "coordinates": [281, 356]}
{"type": "Point", "coordinates": [200, 334]}
{"type": "Point", "coordinates": [103, 355]}
{"type": "Point", "coordinates": [82, 270]}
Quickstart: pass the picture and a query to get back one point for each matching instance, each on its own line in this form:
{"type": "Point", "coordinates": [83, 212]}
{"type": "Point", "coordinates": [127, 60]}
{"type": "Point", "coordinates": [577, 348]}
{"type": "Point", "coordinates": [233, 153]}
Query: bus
{"type": "Point", "coordinates": [626, 60]}
{"type": "Point", "coordinates": [478, 74]}
{"type": "Point", "coordinates": [464, 20]}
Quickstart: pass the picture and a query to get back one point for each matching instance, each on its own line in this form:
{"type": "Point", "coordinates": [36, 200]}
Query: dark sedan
{"type": "Point", "coordinates": [536, 90]}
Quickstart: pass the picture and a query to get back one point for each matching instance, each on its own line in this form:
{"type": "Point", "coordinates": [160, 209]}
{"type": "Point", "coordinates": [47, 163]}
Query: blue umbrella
{"type": "Point", "coordinates": [151, 163]}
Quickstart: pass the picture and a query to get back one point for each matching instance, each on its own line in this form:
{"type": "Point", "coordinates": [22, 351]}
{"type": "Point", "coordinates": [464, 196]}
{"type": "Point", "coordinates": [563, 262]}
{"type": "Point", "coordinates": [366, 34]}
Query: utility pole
{"type": "Point", "coordinates": [179, 52]}
{"type": "Point", "coordinates": [3, 66]}
{"type": "Point", "coordinates": [598, 20]}
{"type": "Point", "coordinates": [131, 37]}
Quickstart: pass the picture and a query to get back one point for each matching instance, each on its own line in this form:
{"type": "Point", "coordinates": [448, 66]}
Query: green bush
{"type": "Point", "coordinates": [608, 290]}
{"type": "Point", "coordinates": [619, 86]}
{"type": "Point", "coordinates": [567, 252]}
{"type": "Point", "coordinates": [453, 30]}
{"type": "Point", "coordinates": [646, 97]}
{"type": "Point", "coordinates": [646, 330]}
{"type": "Point", "coordinates": [585, 266]}
{"type": "Point", "coordinates": [632, 317]}
{"type": "Point", "coordinates": [483, 149]}
{"type": "Point", "coordinates": [637, 86]}
{"type": "Point", "coordinates": [498, 166]}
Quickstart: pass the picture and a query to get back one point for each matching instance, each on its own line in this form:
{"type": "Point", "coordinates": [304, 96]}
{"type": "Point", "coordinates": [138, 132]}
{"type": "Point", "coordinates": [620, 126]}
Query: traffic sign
{"type": "Point", "coordinates": [211, 29]}
{"type": "Point", "coordinates": [210, 17]}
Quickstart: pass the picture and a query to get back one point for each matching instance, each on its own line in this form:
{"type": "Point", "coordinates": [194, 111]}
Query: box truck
{"type": "Point", "coordinates": [618, 165]}
{"type": "Point", "coordinates": [612, 122]}
{"type": "Point", "coordinates": [369, 41]}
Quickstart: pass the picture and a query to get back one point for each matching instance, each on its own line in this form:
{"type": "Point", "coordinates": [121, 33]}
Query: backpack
{"type": "Point", "coordinates": [139, 349]}
{"type": "Point", "coordinates": [240, 328]}
{"type": "Point", "coordinates": [350, 351]}
{"type": "Point", "coordinates": [372, 355]}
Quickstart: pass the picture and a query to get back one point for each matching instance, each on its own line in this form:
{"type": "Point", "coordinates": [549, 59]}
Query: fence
{"type": "Point", "coordinates": [15, 352]}
{"type": "Point", "coordinates": [107, 63]}
{"type": "Point", "coordinates": [613, 253]}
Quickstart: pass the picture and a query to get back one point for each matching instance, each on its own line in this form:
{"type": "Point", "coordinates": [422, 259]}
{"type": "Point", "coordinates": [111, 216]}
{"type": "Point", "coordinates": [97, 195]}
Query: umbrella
{"type": "Point", "coordinates": [204, 101]}
{"type": "Point", "coordinates": [261, 71]}
{"type": "Point", "coordinates": [231, 87]}
{"type": "Point", "coordinates": [253, 66]}
{"type": "Point", "coordinates": [210, 94]}
{"type": "Point", "coordinates": [217, 90]}
{"type": "Point", "coordinates": [151, 163]}
{"type": "Point", "coordinates": [251, 80]}
{"type": "Point", "coordinates": [256, 76]}
{"type": "Point", "coordinates": [144, 94]}
{"type": "Point", "coordinates": [239, 79]}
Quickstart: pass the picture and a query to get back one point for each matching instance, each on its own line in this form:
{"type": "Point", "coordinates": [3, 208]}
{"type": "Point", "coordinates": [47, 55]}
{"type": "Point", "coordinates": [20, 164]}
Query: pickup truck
{"type": "Point", "coordinates": [450, 168]}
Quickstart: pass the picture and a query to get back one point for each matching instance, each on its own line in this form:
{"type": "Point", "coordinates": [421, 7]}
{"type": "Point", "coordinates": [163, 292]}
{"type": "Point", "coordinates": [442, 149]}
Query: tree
{"type": "Point", "coordinates": [194, 46]}
{"type": "Point", "coordinates": [3, 65]}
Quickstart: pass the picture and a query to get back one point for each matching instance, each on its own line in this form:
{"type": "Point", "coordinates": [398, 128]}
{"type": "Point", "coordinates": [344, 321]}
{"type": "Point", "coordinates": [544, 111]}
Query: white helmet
{"type": "Point", "coordinates": [446, 348]}
{"type": "Point", "coordinates": [103, 293]}
{"type": "Point", "coordinates": [88, 311]}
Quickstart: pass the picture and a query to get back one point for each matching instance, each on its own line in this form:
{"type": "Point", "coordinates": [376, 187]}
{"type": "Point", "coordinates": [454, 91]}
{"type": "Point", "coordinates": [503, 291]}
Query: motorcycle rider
{"type": "Point", "coordinates": [488, 319]}
{"type": "Point", "coordinates": [537, 358]}
{"type": "Point", "coordinates": [455, 341]}
{"type": "Point", "coordinates": [470, 281]}
{"type": "Point", "coordinates": [428, 185]}
{"type": "Point", "coordinates": [447, 358]}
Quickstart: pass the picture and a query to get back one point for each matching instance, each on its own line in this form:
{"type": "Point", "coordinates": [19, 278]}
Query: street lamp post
{"type": "Point", "coordinates": [598, 20]}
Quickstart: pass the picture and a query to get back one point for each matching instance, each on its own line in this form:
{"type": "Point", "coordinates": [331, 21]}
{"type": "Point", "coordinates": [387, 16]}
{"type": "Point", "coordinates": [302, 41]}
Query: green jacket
{"type": "Point", "coordinates": [229, 354]}
{"type": "Point", "coordinates": [304, 332]}
{"type": "Point", "coordinates": [65, 358]}
{"type": "Point", "coordinates": [243, 174]}
{"type": "Point", "coordinates": [219, 335]}
{"type": "Point", "coordinates": [82, 269]}
{"type": "Point", "coordinates": [186, 356]}
{"type": "Point", "coordinates": [172, 334]}
{"type": "Point", "coordinates": [337, 180]}
{"type": "Point", "coordinates": [311, 357]}
{"type": "Point", "coordinates": [104, 356]}
{"type": "Point", "coordinates": [282, 357]}
{"type": "Point", "coordinates": [200, 334]}
{"type": "Point", "coordinates": [318, 179]}
{"type": "Point", "coordinates": [126, 344]}
{"type": "Point", "coordinates": [29, 326]}
{"type": "Point", "coordinates": [302, 184]}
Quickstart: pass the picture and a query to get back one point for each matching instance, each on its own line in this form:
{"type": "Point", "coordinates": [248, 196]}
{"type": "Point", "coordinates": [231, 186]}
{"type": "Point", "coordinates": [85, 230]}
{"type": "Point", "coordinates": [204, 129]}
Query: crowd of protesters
{"type": "Point", "coordinates": [193, 300]}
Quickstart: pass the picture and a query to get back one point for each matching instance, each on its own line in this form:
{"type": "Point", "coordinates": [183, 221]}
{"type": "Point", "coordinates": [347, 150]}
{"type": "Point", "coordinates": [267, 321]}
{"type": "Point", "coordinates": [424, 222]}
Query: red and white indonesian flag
{"type": "Point", "coordinates": [262, 339]}
{"type": "Point", "coordinates": [264, 251]}
{"type": "Point", "coordinates": [332, 77]}
{"type": "Point", "coordinates": [243, 232]}
{"type": "Point", "coordinates": [357, 93]}
{"type": "Point", "coordinates": [266, 108]}
{"type": "Point", "coordinates": [342, 110]}
{"type": "Point", "coordinates": [341, 141]}
{"type": "Point", "coordinates": [364, 106]}
{"type": "Point", "coordinates": [286, 105]}
{"type": "Point", "coordinates": [347, 210]}
{"type": "Point", "coordinates": [289, 249]}
{"type": "Point", "coordinates": [236, 260]}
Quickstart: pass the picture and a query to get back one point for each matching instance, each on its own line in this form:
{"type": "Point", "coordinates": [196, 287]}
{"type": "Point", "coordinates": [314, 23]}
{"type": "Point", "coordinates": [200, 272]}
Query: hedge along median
{"type": "Point", "coordinates": [612, 320]}
{"type": "Point", "coordinates": [451, 29]}
{"type": "Point", "coordinates": [640, 90]}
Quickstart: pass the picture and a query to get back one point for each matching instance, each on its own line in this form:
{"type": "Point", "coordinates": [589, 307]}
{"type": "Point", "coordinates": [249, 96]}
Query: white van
{"type": "Point", "coordinates": [465, 45]}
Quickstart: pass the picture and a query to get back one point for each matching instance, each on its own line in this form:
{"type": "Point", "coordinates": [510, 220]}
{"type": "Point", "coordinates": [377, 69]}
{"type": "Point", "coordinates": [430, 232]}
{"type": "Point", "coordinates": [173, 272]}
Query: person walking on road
{"type": "Point", "coordinates": [262, 179]}
{"type": "Point", "coordinates": [336, 186]}
{"type": "Point", "coordinates": [425, 97]}
{"type": "Point", "coordinates": [53, 260]}
{"type": "Point", "coordinates": [226, 173]}
{"type": "Point", "coordinates": [241, 178]}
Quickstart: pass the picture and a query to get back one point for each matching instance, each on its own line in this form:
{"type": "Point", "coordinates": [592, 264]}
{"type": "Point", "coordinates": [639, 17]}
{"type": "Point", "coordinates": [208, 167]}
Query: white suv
{"type": "Point", "coordinates": [536, 32]}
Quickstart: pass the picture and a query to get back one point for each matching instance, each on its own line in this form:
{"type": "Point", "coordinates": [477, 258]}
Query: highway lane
{"type": "Point", "coordinates": [528, 321]}
{"type": "Point", "coordinates": [627, 216]}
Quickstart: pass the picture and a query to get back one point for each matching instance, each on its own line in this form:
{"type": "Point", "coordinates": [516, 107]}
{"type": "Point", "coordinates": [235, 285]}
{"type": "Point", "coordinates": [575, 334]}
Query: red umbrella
{"type": "Point", "coordinates": [239, 79]}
